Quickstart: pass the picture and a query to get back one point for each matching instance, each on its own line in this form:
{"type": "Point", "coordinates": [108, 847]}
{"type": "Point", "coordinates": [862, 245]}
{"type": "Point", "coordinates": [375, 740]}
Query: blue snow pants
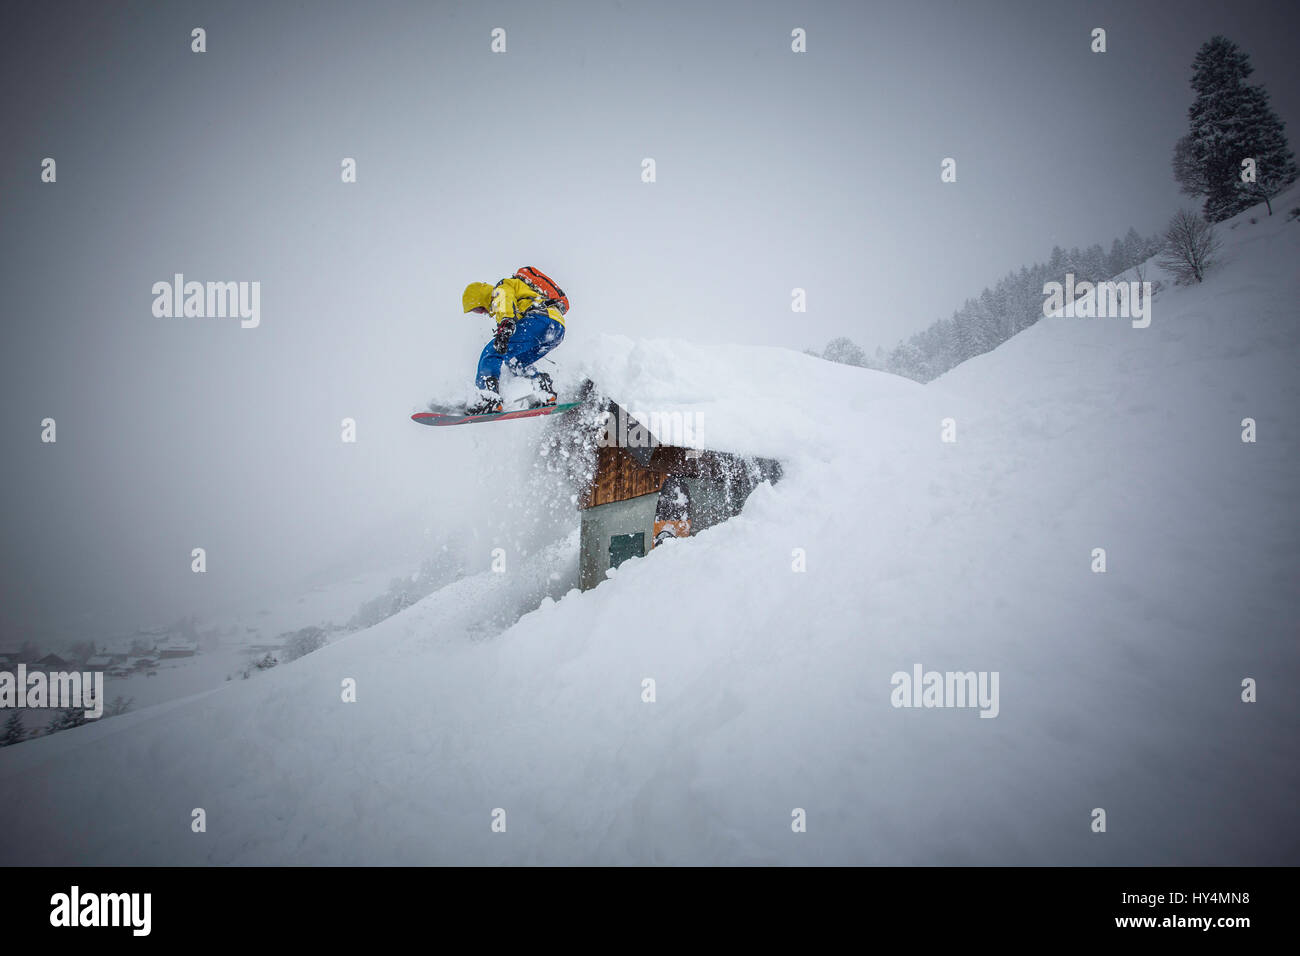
{"type": "Point", "coordinates": [535, 335]}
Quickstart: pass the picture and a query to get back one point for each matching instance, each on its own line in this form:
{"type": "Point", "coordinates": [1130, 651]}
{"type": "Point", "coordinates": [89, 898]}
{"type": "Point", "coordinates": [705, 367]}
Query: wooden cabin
{"type": "Point", "coordinates": [642, 492]}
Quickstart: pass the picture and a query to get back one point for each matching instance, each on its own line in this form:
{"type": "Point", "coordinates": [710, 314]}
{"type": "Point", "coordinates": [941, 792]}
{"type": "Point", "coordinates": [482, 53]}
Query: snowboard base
{"type": "Point", "coordinates": [452, 417]}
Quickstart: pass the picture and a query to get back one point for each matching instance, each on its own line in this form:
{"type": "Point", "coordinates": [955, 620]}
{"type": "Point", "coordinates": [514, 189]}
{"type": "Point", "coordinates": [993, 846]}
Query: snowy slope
{"type": "Point", "coordinates": [1117, 690]}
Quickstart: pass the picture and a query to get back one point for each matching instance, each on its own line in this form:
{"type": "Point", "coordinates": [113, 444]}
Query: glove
{"type": "Point", "coordinates": [502, 338]}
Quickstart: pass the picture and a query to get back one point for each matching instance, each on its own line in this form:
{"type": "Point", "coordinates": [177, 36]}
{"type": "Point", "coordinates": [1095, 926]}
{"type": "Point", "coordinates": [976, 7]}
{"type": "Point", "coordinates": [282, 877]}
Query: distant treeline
{"type": "Point", "coordinates": [983, 323]}
{"type": "Point", "coordinates": [1234, 155]}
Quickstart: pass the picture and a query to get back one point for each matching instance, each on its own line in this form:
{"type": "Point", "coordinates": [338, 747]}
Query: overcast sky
{"type": "Point", "coordinates": [775, 170]}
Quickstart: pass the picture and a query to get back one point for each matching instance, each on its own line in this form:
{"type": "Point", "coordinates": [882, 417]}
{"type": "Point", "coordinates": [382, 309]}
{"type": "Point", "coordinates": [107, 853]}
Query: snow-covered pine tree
{"type": "Point", "coordinates": [14, 731]}
{"type": "Point", "coordinates": [1133, 247]}
{"type": "Point", "coordinates": [990, 322]}
{"type": "Point", "coordinates": [965, 341]}
{"type": "Point", "coordinates": [1115, 259]}
{"type": "Point", "coordinates": [1230, 122]}
{"type": "Point", "coordinates": [65, 719]}
{"type": "Point", "coordinates": [1188, 172]}
{"type": "Point", "coordinates": [1027, 299]}
{"type": "Point", "coordinates": [1056, 263]}
{"type": "Point", "coordinates": [1093, 263]}
{"type": "Point", "coordinates": [1275, 167]}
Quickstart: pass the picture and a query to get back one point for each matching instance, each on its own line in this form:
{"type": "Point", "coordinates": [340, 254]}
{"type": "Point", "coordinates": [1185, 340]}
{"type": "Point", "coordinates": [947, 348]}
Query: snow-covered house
{"type": "Point", "coordinates": [651, 481]}
{"type": "Point", "coordinates": [99, 662]}
{"type": "Point", "coordinates": [178, 648]}
{"type": "Point", "coordinates": [675, 438]}
{"type": "Point", "coordinates": [119, 650]}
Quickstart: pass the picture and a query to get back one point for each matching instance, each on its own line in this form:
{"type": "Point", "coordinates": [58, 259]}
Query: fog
{"type": "Point", "coordinates": [773, 171]}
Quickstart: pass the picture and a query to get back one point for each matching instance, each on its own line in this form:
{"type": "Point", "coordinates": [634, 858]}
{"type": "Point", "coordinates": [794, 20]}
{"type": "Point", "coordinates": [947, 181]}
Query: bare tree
{"type": "Point", "coordinates": [302, 643]}
{"type": "Point", "coordinates": [1190, 244]}
{"type": "Point", "coordinates": [845, 351]}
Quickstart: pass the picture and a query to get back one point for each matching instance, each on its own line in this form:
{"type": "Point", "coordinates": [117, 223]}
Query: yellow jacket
{"type": "Point", "coordinates": [508, 299]}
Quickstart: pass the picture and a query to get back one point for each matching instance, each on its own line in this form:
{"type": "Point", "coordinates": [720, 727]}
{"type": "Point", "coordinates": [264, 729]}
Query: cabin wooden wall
{"type": "Point", "coordinates": [618, 478]}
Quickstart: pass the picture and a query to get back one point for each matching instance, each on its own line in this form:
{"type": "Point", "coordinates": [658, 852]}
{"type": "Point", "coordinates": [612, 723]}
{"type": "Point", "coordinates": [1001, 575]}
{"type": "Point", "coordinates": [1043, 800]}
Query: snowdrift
{"type": "Point", "coordinates": [749, 400]}
{"type": "Point", "coordinates": [772, 687]}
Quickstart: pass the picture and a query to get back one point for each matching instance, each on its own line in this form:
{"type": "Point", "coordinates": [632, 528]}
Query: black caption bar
{"type": "Point", "coordinates": [137, 906]}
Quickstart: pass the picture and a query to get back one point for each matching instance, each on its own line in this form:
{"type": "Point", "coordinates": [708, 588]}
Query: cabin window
{"type": "Point", "coordinates": [624, 546]}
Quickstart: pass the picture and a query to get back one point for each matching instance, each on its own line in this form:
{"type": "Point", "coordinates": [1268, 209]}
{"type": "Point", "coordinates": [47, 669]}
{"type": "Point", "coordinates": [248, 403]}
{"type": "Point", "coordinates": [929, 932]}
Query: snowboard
{"type": "Point", "coordinates": [451, 417]}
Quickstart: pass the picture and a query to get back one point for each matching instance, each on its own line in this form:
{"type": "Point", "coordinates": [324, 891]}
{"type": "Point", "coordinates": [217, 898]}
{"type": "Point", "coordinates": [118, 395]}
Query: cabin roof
{"type": "Point", "coordinates": [754, 401]}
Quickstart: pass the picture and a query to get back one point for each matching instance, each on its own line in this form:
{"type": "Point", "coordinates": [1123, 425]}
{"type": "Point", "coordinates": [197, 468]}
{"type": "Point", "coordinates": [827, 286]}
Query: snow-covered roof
{"type": "Point", "coordinates": [123, 645]}
{"type": "Point", "coordinates": [749, 400]}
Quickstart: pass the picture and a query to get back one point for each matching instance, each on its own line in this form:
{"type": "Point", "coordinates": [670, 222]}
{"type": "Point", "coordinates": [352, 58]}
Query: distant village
{"type": "Point", "coordinates": [143, 653]}
{"type": "Point", "coordinates": [242, 649]}
{"type": "Point", "coordinates": [120, 658]}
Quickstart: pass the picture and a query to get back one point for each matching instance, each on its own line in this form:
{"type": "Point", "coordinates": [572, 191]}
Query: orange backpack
{"type": "Point", "coordinates": [545, 287]}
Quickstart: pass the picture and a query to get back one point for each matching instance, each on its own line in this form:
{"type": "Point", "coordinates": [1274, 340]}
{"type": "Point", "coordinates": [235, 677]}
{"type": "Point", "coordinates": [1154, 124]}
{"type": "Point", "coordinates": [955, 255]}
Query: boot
{"type": "Point", "coordinates": [489, 399]}
{"type": "Point", "coordinates": [543, 390]}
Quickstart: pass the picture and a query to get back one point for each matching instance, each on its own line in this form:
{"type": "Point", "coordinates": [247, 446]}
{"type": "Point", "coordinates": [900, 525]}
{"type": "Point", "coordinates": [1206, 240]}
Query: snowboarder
{"type": "Point", "coordinates": [529, 311]}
